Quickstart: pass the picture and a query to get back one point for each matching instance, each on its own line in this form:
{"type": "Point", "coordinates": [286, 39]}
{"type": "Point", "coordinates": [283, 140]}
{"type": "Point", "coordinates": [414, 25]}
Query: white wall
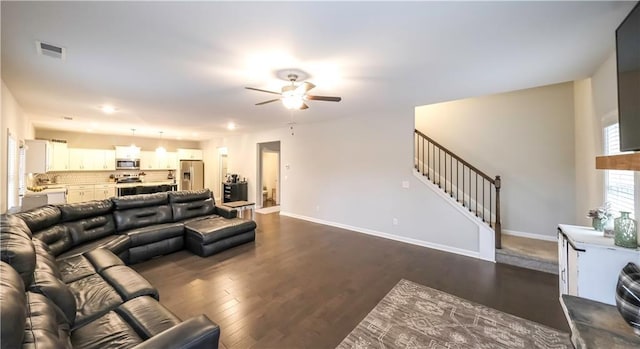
{"type": "Point", "coordinates": [526, 137]}
{"type": "Point", "coordinates": [350, 172]}
{"type": "Point", "coordinates": [15, 121]}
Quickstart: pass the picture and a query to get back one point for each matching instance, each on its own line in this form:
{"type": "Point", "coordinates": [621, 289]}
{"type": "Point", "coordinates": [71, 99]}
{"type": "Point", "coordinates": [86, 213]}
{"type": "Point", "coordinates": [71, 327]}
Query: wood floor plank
{"type": "Point", "coordinates": [303, 284]}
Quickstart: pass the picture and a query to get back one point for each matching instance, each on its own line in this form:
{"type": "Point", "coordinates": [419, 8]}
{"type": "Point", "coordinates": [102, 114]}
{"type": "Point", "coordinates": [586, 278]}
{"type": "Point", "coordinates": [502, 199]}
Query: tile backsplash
{"type": "Point", "coordinates": [97, 177]}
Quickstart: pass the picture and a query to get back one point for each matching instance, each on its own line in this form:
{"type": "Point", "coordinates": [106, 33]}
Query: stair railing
{"type": "Point", "coordinates": [469, 186]}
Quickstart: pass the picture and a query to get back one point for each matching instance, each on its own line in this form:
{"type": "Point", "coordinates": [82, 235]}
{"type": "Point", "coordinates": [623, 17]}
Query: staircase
{"type": "Point", "coordinates": [463, 182]}
{"type": "Point", "coordinates": [480, 195]}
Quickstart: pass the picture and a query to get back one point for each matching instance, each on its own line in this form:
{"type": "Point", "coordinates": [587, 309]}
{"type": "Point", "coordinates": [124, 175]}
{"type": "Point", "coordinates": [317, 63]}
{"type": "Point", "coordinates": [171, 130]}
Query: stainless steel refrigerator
{"type": "Point", "coordinates": [191, 174]}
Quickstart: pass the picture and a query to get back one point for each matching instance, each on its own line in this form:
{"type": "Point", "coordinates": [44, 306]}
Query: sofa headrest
{"type": "Point", "coordinates": [16, 247]}
{"type": "Point", "coordinates": [189, 195]}
{"type": "Point", "coordinates": [186, 210]}
{"type": "Point", "coordinates": [81, 210]}
{"type": "Point", "coordinates": [13, 311]}
{"type": "Point", "coordinates": [137, 201]}
{"type": "Point", "coordinates": [40, 217]}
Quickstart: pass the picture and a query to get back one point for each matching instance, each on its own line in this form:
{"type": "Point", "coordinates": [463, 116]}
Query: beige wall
{"type": "Point", "coordinates": [100, 141]}
{"type": "Point", "coordinates": [15, 122]}
{"type": "Point", "coordinates": [526, 137]}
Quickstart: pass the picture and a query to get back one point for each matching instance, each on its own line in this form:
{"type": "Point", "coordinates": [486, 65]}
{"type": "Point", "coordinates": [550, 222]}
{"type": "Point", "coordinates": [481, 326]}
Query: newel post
{"type": "Point", "coordinates": [498, 224]}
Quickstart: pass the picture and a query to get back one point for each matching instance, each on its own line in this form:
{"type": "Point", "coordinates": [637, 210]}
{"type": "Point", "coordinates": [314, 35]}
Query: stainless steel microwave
{"type": "Point", "coordinates": [127, 164]}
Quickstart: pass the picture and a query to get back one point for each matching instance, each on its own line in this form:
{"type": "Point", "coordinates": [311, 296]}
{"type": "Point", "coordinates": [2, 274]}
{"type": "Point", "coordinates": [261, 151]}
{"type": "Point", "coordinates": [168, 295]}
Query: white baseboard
{"type": "Point", "coordinates": [407, 240]}
{"type": "Point", "coordinates": [529, 235]}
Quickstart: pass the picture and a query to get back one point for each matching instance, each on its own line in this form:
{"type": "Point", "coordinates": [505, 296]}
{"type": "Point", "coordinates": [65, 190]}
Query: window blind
{"type": "Point", "coordinates": [619, 189]}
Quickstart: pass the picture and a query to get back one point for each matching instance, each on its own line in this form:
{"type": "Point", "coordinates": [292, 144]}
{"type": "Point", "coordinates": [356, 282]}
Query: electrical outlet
{"type": "Point", "coordinates": [395, 221]}
{"type": "Point", "coordinates": [318, 208]}
{"type": "Point", "coordinates": [405, 184]}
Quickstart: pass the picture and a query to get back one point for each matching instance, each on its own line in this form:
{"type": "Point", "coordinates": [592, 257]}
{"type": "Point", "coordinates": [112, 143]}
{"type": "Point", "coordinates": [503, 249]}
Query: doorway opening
{"type": "Point", "coordinates": [222, 173]}
{"type": "Point", "coordinates": [268, 191]}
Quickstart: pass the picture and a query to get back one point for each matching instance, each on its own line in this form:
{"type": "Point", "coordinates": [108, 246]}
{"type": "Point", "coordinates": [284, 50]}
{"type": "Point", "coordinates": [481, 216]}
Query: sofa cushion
{"type": "Point", "coordinates": [189, 195]}
{"type": "Point", "coordinates": [75, 268]}
{"type": "Point", "coordinates": [83, 210]}
{"type": "Point", "coordinates": [147, 317]}
{"type": "Point", "coordinates": [107, 331]}
{"type": "Point", "coordinates": [154, 249]}
{"type": "Point", "coordinates": [94, 297]}
{"type": "Point", "coordinates": [102, 258]}
{"type": "Point", "coordinates": [45, 261]}
{"type": "Point", "coordinates": [207, 231]}
{"type": "Point", "coordinates": [138, 201]}
{"type": "Point", "coordinates": [128, 283]}
{"type": "Point", "coordinates": [89, 229]}
{"type": "Point", "coordinates": [41, 217]}
{"type": "Point", "coordinates": [142, 217]}
{"type": "Point", "coordinates": [57, 237]}
{"type": "Point", "coordinates": [13, 307]}
{"type": "Point", "coordinates": [186, 210]}
{"type": "Point", "coordinates": [46, 327]}
{"type": "Point", "coordinates": [56, 291]}
{"type": "Point", "coordinates": [16, 247]}
{"type": "Point", "coordinates": [154, 233]}
{"type": "Point", "coordinates": [114, 243]}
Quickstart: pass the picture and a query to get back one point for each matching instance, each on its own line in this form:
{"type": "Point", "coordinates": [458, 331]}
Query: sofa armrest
{"type": "Point", "coordinates": [226, 212]}
{"type": "Point", "coordinates": [197, 332]}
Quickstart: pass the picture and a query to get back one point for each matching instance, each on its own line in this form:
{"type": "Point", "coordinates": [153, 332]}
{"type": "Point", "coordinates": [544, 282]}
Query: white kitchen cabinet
{"type": "Point", "coordinates": [166, 161]}
{"type": "Point", "coordinates": [189, 154]}
{"type": "Point", "coordinates": [104, 160]}
{"type": "Point", "coordinates": [59, 156]}
{"type": "Point", "coordinates": [589, 263]}
{"type": "Point", "coordinates": [80, 159]}
{"type": "Point", "coordinates": [127, 152]}
{"type": "Point", "coordinates": [91, 159]}
{"type": "Point", "coordinates": [104, 191]}
{"type": "Point", "coordinates": [80, 193]}
{"type": "Point", "coordinates": [37, 156]}
{"type": "Point", "coordinates": [148, 160]}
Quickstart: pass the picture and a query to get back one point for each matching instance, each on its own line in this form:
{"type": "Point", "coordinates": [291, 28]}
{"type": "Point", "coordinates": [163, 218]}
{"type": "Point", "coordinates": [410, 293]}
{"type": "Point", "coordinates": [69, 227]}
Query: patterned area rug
{"type": "Point", "coordinates": [416, 316]}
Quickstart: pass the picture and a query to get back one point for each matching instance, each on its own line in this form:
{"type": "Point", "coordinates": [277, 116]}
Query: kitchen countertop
{"type": "Point", "coordinates": [49, 190]}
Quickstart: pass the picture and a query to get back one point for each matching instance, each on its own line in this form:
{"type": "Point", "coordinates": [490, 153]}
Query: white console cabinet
{"type": "Point", "coordinates": [589, 263]}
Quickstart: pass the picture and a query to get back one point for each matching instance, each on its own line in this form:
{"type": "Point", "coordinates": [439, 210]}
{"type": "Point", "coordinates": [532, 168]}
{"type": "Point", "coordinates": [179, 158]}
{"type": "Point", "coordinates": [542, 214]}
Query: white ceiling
{"type": "Point", "coordinates": [180, 67]}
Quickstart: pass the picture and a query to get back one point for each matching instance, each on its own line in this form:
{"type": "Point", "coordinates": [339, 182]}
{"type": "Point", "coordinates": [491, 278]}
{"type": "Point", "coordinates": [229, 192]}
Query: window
{"type": "Point", "coordinates": [12, 172]}
{"type": "Point", "coordinates": [619, 185]}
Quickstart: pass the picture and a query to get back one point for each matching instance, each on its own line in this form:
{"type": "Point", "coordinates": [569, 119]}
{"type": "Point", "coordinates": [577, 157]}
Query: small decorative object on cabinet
{"type": "Point", "coordinates": [626, 234]}
{"type": "Point", "coordinates": [600, 216]}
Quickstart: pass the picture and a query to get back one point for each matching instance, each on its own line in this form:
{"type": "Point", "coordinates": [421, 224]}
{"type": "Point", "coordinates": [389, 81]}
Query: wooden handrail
{"type": "Point", "coordinates": [479, 196]}
{"type": "Point", "coordinates": [452, 154]}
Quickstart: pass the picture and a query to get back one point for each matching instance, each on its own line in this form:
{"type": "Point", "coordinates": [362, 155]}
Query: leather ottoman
{"type": "Point", "coordinates": [208, 236]}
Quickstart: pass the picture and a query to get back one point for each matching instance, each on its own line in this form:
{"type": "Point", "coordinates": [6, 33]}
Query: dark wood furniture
{"type": "Point", "coordinates": [234, 191]}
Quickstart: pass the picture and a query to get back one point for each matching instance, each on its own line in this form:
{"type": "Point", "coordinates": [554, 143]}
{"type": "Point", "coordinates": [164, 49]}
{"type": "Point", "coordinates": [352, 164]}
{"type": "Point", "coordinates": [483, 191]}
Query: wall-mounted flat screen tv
{"type": "Point", "coordinates": [628, 57]}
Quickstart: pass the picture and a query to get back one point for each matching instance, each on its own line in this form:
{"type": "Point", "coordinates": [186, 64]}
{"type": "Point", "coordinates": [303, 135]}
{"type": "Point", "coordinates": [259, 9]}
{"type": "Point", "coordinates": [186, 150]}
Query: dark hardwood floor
{"type": "Point", "coordinates": [306, 285]}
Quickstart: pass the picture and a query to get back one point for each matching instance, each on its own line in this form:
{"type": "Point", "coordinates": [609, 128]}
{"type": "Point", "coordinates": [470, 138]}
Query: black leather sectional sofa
{"type": "Point", "coordinates": [64, 279]}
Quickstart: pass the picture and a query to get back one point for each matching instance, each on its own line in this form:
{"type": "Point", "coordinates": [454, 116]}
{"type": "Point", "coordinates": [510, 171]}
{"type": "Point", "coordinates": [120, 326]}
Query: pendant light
{"type": "Point", "coordinates": [160, 150]}
{"type": "Point", "coordinates": [135, 151]}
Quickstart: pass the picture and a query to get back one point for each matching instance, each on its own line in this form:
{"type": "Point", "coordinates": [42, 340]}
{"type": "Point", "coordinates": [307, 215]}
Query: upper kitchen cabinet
{"type": "Point", "coordinates": [37, 156]}
{"type": "Point", "coordinates": [92, 159]}
{"type": "Point", "coordinates": [127, 152]}
{"type": "Point", "coordinates": [189, 154]}
{"type": "Point", "coordinates": [59, 156]}
{"type": "Point", "coordinates": [45, 156]}
{"type": "Point", "coordinates": [151, 160]}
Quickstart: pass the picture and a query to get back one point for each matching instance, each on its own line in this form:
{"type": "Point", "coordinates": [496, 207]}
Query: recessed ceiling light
{"type": "Point", "coordinates": [108, 109]}
{"type": "Point", "coordinates": [231, 126]}
{"type": "Point", "coordinates": [67, 118]}
{"type": "Point", "coordinates": [89, 130]}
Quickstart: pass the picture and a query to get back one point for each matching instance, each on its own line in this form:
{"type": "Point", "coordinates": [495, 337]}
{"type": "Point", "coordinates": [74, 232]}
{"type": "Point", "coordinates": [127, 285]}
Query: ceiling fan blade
{"type": "Point", "coordinates": [269, 101]}
{"type": "Point", "coordinates": [304, 88]}
{"type": "Point", "coordinates": [257, 89]}
{"type": "Point", "coordinates": [304, 106]}
{"type": "Point", "coordinates": [324, 98]}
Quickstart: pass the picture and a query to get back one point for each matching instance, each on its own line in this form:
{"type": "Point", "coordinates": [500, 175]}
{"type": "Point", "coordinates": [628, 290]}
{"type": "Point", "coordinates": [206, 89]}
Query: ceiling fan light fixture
{"type": "Point", "coordinates": [292, 100]}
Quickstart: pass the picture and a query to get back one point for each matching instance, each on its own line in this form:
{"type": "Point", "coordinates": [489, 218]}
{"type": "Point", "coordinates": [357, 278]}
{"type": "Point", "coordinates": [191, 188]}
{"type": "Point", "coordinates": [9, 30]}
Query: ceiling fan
{"type": "Point", "coordinates": [294, 97]}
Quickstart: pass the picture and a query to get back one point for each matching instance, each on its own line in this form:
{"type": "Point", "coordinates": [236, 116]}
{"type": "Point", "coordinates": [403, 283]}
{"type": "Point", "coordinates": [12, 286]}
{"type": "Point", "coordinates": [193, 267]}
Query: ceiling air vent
{"type": "Point", "coordinates": [51, 50]}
